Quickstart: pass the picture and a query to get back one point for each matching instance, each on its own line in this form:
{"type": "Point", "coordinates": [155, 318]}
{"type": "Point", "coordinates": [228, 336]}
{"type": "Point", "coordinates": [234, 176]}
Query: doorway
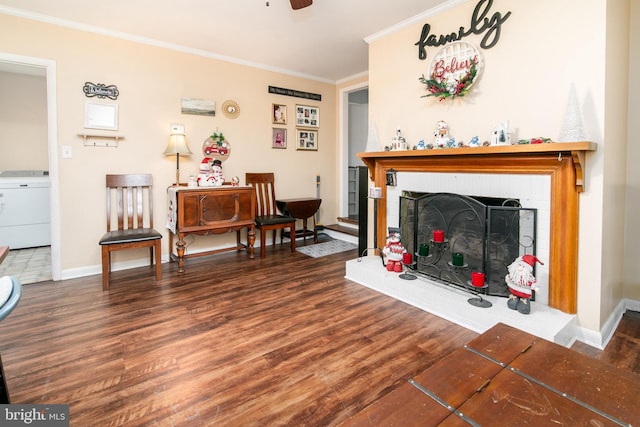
{"type": "Point", "coordinates": [354, 124]}
{"type": "Point", "coordinates": [47, 69]}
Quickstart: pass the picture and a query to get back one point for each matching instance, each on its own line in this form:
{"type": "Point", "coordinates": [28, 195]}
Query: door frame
{"type": "Point", "coordinates": [343, 146]}
{"type": "Point", "coordinates": [49, 67]}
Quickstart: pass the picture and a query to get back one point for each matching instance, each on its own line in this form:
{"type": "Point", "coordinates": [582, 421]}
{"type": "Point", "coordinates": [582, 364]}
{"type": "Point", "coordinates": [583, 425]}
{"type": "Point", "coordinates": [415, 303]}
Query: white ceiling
{"type": "Point", "coordinates": [324, 41]}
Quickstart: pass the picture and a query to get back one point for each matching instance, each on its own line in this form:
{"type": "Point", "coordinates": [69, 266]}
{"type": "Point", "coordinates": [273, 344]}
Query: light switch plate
{"type": "Point", "coordinates": [67, 152]}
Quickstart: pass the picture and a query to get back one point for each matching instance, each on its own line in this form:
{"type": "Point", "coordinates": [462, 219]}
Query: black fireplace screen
{"type": "Point", "coordinates": [481, 234]}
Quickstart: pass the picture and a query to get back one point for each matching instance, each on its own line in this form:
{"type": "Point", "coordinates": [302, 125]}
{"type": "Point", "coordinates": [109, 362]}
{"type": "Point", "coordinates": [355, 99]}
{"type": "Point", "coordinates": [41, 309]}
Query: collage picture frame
{"type": "Point", "coordinates": [307, 116]}
{"type": "Point", "coordinates": [307, 139]}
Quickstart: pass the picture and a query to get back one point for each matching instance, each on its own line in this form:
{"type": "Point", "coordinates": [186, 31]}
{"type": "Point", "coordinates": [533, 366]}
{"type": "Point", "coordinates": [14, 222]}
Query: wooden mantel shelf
{"type": "Point", "coordinates": [563, 162]}
{"type": "Point", "coordinates": [576, 150]}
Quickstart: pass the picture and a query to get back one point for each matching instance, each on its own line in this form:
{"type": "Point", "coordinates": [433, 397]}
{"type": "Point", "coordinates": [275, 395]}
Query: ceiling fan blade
{"type": "Point", "coordinates": [299, 4]}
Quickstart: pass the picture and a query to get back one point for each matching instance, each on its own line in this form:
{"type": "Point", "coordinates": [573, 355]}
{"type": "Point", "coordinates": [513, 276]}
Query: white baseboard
{"type": "Point", "coordinates": [600, 339]}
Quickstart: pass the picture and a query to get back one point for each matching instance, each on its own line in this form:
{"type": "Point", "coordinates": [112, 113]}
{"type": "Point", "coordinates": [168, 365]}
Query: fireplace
{"type": "Point", "coordinates": [481, 234]}
{"type": "Point", "coordinates": [562, 163]}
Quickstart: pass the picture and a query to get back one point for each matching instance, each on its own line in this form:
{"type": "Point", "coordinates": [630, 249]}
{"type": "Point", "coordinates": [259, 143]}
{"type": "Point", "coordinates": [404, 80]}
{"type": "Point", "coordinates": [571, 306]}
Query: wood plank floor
{"type": "Point", "coordinates": [285, 340]}
{"type": "Point", "coordinates": [280, 341]}
{"type": "Point", "coordinates": [623, 350]}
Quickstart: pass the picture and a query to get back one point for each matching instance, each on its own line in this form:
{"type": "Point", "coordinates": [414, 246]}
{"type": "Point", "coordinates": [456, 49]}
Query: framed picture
{"type": "Point", "coordinates": [279, 138]}
{"type": "Point", "coordinates": [279, 114]}
{"type": "Point", "coordinates": [200, 107]}
{"type": "Point", "coordinates": [307, 139]}
{"type": "Point", "coordinates": [307, 116]}
{"type": "Point", "coordinates": [100, 116]}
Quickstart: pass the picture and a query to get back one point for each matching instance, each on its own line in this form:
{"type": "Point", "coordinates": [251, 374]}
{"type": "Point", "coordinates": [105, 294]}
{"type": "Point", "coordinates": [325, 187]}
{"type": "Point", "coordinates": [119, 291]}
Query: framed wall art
{"type": "Point", "coordinates": [279, 138]}
{"type": "Point", "coordinates": [279, 114]}
{"type": "Point", "coordinates": [199, 107]}
{"type": "Point", "coordinates": [307, 116]}
{"type": "Point", "coordinates": [100, 116]}
{"type": "Point", "coordinates": [306, 139]}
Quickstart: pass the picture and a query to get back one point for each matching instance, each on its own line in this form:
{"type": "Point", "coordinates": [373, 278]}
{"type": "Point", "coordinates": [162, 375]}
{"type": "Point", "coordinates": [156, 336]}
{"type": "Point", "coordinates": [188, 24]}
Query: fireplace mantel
{"type": "Point", "coordinates": [564, 162]}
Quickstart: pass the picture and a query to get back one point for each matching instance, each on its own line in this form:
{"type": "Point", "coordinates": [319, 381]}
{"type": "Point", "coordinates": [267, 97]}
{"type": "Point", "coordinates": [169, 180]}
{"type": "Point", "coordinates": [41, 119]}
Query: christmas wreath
{"type": "Point", "coordinates": [442, 88]}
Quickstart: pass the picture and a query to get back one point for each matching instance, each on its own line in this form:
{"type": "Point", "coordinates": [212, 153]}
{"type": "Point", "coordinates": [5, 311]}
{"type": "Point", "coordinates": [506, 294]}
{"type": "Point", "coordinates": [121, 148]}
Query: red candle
{"type": "Point", "coordinates": [407, 258]}
{"type": "Point", "coordinates": [438, 236]}
{"type": "Point", "coordinates": [477, 278]}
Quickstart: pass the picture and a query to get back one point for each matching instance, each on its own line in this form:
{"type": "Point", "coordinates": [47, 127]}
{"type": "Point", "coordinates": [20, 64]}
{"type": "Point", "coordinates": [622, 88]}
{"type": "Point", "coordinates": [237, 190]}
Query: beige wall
{"type": "Point", "coordinates": [151, 81]}
{"type": "Point", "coordinates": [23, 120]}
{"type": "Point", "coordinates": [615, 154]}
{"type": "Point", "coordinates": [545, 47]}
{"type": "Point", "coordinates": [632, 224]}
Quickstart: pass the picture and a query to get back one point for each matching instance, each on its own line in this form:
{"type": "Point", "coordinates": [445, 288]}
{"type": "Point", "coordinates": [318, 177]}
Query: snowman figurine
{"type": "Point", "coordinates": [394, 249]}
{"type": "Point", "coordinates": [442, 135]}
{"type": "Point", "coordinates": [216, 173]}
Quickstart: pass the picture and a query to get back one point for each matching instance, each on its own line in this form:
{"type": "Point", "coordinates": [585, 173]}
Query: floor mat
{"type": "Point", "coordinates": [327, 248]}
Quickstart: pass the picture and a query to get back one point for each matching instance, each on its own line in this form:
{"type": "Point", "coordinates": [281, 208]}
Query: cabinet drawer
{"type": "Point", "coordinates": [223, 207]}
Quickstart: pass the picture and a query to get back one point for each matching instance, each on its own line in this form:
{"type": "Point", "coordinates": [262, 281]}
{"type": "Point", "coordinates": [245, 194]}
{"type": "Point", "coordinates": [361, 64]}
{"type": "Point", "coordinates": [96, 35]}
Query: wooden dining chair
{"type": "Point", "coordinates": [130, 221]}
{"type": "Point", "coordinates": [267, 217]}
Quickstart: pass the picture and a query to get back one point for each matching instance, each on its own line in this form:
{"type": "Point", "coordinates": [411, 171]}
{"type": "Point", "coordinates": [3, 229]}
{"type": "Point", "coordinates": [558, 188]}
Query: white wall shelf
{"type": "Point", "coordinates": [97, 140]}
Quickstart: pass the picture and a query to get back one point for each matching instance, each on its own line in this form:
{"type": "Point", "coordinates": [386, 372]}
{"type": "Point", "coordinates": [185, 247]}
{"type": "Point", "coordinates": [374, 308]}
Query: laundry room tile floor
{"type": "Point", "coordinates": [29, 265]}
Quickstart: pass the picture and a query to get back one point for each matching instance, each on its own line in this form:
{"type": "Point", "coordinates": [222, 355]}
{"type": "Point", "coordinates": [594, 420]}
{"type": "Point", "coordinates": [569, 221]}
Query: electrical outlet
{"type": "Point", "coordinates": [67, 152]}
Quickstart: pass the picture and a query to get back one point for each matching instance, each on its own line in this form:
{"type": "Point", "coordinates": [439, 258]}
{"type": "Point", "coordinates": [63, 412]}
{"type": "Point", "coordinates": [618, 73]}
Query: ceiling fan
{"type": "Point", "coordinates": [299, 4]}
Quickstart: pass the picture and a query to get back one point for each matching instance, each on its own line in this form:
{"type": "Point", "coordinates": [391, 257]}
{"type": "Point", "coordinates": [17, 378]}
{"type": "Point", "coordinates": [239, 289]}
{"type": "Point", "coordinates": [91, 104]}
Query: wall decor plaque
{"type": "Point", "coordinates": [480, 23]}
{"type": "Point", "coordinates": [100, 91]}
{"type": "Point", "coordinates": [453, 70]}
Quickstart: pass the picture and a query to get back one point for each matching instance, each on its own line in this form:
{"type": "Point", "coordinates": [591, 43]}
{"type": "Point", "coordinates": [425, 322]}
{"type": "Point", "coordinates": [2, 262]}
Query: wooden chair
{"type": "Point", "coordinates": [130, 202]}
{"type": "Point", "coordinates": [267, 217]}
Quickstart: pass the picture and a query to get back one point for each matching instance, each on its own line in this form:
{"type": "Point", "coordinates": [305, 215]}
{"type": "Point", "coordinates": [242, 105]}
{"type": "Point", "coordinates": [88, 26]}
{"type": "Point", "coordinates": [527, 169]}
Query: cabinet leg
{"type": "Point", "coordinates": [180, 251]}
{"type": "Point", "coordinates": [251, 239]}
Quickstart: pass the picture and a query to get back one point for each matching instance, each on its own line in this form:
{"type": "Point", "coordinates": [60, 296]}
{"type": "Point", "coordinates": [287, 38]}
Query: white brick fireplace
{"type": "Point", "coordinates": [533, 191]}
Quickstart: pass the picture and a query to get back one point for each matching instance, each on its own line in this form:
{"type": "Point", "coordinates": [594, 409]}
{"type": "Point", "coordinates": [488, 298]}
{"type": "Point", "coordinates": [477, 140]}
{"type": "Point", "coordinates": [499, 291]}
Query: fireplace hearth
{"type": "Point", "coordinates": [482, 234]}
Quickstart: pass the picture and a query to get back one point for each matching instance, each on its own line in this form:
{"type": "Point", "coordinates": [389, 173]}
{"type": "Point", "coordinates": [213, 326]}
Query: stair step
{"type": "Point", "coordinates": [342, 229]}
{"type": "Point", "coordinates": [348, 220]}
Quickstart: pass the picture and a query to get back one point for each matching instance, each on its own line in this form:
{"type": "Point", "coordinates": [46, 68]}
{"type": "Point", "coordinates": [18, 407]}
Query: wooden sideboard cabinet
{"type": "Point", "coordinates": [216, 210]}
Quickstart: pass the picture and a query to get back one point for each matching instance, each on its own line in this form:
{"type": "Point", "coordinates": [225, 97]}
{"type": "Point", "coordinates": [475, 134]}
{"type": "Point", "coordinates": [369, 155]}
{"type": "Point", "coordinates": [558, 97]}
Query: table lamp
{"type": "Point", "coordinates": [177, 145]}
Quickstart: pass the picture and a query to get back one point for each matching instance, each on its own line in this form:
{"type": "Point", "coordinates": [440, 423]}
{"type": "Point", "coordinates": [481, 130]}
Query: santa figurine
{"type": "Point", "coordinates": [521, 283]}
{"type": "Point", "coordinates": [204, 172]}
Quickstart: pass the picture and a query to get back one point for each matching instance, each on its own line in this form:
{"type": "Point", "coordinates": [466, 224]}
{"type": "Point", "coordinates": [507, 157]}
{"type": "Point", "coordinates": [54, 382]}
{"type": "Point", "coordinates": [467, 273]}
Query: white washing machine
{"type": "Point", "coordinates": [24, 209]}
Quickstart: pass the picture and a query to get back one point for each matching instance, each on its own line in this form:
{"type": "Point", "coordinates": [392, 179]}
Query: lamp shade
{"type": "Point", "coordinates": [177, 145]}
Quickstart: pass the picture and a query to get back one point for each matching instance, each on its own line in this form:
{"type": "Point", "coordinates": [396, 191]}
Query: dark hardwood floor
{"type": "Point", "coordinates": [285, 340]}
{"type": "Point", "coordinates": [623, 350]}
